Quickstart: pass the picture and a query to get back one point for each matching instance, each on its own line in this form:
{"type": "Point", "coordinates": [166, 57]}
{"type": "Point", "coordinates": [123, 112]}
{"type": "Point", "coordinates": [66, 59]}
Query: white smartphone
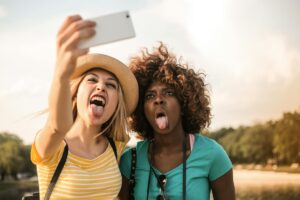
{"type": "Point", "coordinates": [110, 28]}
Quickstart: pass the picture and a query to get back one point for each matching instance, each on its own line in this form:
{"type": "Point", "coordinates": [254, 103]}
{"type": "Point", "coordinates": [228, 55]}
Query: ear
{"type": "Point", "coordinates": [74, 99]}
{"type": "Point", "coordinates": [74, 104]}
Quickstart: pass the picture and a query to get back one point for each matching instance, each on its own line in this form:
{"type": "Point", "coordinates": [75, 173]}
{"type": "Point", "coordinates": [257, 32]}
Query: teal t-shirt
{"type": "Point", "coordinates": [207, 162]}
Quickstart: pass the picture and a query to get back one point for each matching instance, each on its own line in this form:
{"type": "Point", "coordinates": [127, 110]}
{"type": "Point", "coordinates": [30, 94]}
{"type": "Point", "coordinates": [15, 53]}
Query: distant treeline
{"type": "Point", "coordinates": [273, 142]}
{"type": "Point", "coordinates": [14, 157]}
{"type": "Point", "coordinates": [276, 142]}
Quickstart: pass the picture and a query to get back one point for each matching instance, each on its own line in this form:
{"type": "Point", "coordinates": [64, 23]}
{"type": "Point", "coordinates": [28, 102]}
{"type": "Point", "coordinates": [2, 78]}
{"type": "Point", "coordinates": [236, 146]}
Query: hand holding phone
{"type": "Point", "coordinates": [110, 28]}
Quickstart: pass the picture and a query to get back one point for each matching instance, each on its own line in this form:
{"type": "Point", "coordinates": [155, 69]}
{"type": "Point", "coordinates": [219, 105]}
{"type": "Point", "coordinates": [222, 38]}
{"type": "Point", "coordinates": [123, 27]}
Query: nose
{"type": "Point", "coordinates": [100, 87]}
{"type": "Point", "coordinates": [159, 100]}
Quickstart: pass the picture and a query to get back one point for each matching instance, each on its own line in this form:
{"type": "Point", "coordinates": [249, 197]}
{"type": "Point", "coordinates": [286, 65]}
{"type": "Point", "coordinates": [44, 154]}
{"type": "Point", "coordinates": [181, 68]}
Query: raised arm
{"type": "Point", "coordinates": [60, 117]}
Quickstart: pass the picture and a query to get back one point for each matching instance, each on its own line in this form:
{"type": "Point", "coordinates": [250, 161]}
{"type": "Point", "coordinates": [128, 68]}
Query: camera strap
{"type": "Point", "coordinates": [57, 172]}
{"type": "Point", "coordinates": [183, 172]}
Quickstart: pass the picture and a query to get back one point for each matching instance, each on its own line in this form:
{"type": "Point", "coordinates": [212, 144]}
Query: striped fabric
{"type": "Point", "coordinates": [81, 178]}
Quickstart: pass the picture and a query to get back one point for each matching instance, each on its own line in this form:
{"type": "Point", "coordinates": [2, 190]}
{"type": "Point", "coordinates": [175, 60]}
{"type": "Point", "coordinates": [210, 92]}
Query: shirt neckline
{"type": "Point", "coordinates": [175, 168]}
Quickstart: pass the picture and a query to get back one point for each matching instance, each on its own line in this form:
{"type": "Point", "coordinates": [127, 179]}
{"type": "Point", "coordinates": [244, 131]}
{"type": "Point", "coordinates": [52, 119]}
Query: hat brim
{"type": "Point", "coordinates": [126, 78]}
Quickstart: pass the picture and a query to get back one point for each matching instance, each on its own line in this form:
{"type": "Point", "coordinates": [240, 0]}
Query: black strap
{"type": "Point", "coordinates": [132, 174]}
{"type": "Point", "coordinates": [113, 145]}
{"type": "Point", "coordinates": [183, 172]}
{"type": "Point", "coordinates": [184, 169]}
{"type": "Point", "coordinates": [57, 172]}
{"type": "Point", "coordinates": [149, 181]}
{"type": "Point", "coordinates": [61, 164]}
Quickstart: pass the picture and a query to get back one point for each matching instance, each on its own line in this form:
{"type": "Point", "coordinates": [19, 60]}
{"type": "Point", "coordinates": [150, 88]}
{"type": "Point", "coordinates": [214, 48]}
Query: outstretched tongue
{"type": "Point", "coordinates": [97, 110]}
{"type": "Point", "coordinates": [162, 122]}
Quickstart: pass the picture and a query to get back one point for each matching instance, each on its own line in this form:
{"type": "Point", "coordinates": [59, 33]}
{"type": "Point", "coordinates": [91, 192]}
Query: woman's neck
{"type": "Point", "coordinates": [167, 151]}
{"type": "Point", "coordinates": [83, 133]}
{"type": "Point", "coordinates": [85, 141]}
{"type": "Point", "coordinates": [168, 143]}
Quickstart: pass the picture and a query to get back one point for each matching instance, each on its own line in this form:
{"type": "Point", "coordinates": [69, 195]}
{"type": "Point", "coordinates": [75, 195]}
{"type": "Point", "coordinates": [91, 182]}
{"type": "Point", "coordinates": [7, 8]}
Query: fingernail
{"type": "Point", "coordinates": [76, 17]}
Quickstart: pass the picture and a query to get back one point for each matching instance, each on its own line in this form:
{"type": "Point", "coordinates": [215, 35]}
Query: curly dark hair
{"type": "Point", "coordinates": [191, 90]}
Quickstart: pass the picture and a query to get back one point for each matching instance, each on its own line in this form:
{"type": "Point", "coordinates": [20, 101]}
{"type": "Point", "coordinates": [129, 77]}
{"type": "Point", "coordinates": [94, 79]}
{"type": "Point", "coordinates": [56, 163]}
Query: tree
{"type": "Point", "coordinates": [230, 140]}
{"type": "Point", "coordinates": [11, 161]}
{"type": "Point", "coordinates": [257, 143]}
{"type": "Point", "coordinates": [217, 135]}
{"type": "Point", "coordinates": [28, 166]}
{"type": "Point", "coordinates": [287, 138]}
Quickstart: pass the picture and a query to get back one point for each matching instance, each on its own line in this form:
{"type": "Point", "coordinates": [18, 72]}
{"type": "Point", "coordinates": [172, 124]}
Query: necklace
{"type": "Point", "coordinates": [162, 179]}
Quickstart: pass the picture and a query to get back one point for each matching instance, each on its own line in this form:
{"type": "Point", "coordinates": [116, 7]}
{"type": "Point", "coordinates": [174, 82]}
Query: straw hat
{"type": "Point", "coordinates": [126, 78]}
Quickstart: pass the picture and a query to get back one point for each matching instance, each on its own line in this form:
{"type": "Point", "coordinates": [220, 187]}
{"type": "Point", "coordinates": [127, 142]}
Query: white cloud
{"type": "Point", "coordinates": [19, 107]}
{"type": "Point", "coordinates": [27, 63]}
{"type": "Point", "coordinates": [3, 12]}
{"type": "Point", "coordinates": [252, 67]}
{"type": "Point", "coordinates": [23, 87]}
{"type": "Point", "coordinates": [281, 57]}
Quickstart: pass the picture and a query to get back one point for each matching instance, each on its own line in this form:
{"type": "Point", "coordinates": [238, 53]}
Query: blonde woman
{"type": "Point", "coordinates": [90, 97]}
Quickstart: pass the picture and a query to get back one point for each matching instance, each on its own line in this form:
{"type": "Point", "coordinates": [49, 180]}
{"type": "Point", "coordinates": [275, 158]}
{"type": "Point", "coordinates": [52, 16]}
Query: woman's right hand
{"type": "Point", "coordinates": [72, 31]}
{"type": "Point", "coordinates": [60, 118]}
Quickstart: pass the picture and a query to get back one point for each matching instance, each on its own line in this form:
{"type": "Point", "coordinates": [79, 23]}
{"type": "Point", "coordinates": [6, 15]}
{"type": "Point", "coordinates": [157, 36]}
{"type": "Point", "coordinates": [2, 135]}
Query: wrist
{"type": "Point", "coordinates": [63, 73]}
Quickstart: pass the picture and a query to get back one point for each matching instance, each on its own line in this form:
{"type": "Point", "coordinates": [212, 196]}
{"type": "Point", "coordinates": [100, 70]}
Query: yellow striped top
{"type": "Point", "coordinates": [81, 178]}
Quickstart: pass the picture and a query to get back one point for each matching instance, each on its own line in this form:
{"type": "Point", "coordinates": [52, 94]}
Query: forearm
{"type": "Point", "coordinates": [60, 106]}
{"type": "Point", "coordinates": [59, 120]}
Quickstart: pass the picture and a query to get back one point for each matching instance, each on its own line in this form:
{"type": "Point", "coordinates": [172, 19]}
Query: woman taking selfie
{"type": "Point", "coordinates": [174, 161]}
{"type": "Point", "coordinates": [90, 98]}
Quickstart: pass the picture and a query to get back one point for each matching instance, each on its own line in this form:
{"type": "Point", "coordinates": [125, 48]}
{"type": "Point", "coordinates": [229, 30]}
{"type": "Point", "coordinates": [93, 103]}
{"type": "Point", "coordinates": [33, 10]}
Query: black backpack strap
{"type": "Point", "coordinates": [113, 145]}
{"type": "Point", "coordinates": [57, 172]}
{"type": "Point", "coordinates": [132, 173]}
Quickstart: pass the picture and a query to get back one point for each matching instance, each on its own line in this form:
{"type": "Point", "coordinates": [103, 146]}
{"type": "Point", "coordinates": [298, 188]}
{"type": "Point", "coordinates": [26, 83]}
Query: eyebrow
{"type": "Point", "coordinates": [110, 78]}
{"type": "Point", "coordinates": [163, 89]}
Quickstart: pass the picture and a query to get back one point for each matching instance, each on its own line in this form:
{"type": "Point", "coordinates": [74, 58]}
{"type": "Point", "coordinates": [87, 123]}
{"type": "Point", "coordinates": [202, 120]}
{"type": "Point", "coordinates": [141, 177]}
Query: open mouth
{"type": "Point", "coordinates": [98, 100]}
{"type": "Point", "coordinates": [160, 114]}
{"type": "Point", "coordinates": [97, 104]}
{"type": "Point", "coordinates": [161, 120]}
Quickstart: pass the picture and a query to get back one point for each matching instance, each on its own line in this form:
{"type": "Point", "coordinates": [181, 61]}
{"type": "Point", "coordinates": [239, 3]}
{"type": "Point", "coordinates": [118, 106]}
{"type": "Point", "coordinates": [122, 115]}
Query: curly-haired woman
{"type": "Point", "coordinates": [174, 161]}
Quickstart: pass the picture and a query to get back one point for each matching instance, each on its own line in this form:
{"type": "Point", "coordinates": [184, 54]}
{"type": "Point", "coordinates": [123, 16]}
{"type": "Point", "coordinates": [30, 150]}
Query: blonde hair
{"type": "Point", "coordinates": [116, 127]}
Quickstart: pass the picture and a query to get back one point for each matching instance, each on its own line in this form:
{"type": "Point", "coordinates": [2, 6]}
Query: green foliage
{"type": "Point", "coordinates": [256, 144]}
{"type": "Point", "coordinates": [5, 136]}
{"type": "Point", "coordinates": [279, 141]}
{"type": "Point", "coordinates": [11, 159]}
{"type": "Point", "coordinates": [28, 166]}
{"type": "Point", "coordinates": [231, 144]}
{"type": "Point", "coordinates": [220, 133]}
{"type": "Point", "coordinates": [249, 144]}
{"type": "Point", "coordinates": [14, 156]}
{"type": "Point", "coordinates": [287, 138]}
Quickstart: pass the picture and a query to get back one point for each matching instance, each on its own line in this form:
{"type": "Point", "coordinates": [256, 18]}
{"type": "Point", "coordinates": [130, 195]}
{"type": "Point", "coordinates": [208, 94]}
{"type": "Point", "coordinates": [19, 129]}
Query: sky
{"type": "Point", "coordinates": [249, 51]}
